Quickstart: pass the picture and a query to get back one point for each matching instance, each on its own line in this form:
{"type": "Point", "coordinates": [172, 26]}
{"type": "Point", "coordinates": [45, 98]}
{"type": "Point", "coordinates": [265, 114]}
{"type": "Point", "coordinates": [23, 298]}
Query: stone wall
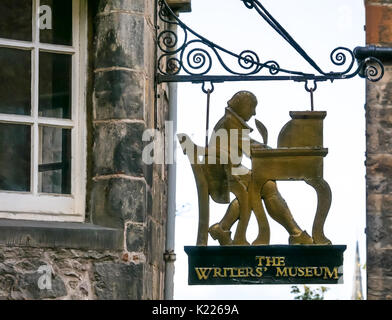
{"type": "Point", "coordinates": [123, 192]}
{"type": "Point", "coordinates": [76, 274]}
{"type": "Point", "coordinates": [379, 158]}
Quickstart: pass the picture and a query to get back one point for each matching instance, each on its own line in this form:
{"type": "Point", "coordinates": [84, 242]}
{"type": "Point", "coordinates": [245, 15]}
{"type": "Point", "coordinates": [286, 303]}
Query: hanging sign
{"type": "Point", "coordinates": [218, 172]}
{"type": "Point", "coordinates": [275, 264]}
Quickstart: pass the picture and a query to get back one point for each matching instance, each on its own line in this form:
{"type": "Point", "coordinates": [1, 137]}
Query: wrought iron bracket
{"type": "Point", "coordinates": [193, 58]}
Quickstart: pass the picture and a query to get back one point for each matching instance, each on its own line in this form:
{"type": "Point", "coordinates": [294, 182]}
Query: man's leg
{"type": "Point", "coordinates": [279, 211]}
{"type": "Point", "coordinates": [221, 231]}
{"type": "Point", "coordinates": [231, 216]}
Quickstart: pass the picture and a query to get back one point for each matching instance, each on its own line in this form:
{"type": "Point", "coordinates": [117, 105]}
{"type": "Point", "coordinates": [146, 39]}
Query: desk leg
{"type": "Point", "coordinates": [242, 195]}
{"type": "Point", "coordinates": [324, 197]}
{"type": "Point", "coordinates": [262, 221]}
{"type": "Point", "coordinates": [204, 205]}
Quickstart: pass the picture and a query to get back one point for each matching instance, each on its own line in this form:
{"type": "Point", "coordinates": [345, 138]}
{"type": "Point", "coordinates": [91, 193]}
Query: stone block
{"type": "Point", "coordinates": [380, 116]}
{"type": "Point", "coordinates": [149, 103]}
{"type": "Point", "coordinates": [386, 205]}
{"type": "Point", "coordinates": [117, 281]}
{"type": "Point", "coordinates": [136, 237]}
{"type": "Point", "coordinates": [119, 41]}
{"type": "Point", "coordinates": [148, 174]}
{"type": "Point", "coordinates": [379, 262]}
{"type": "Point", "coordinates": [378, 231]}
{"type": "Point", "coordinates": [149, 48]}
{"type": "Point", "coordinates": [118, 149]}
{"type": "Point", "coordinates": [157, 283]}
{"type": "Point", "coordinates": [149, 9]}
{"type": "Point", "coordinates": [154, 283]}
{"type": "Point", "coordinates": [148, 284]}
{"type": "Point", "coordinates": [379, 173]}
{"type": "Point", "coordinates": [128, 5]}
{"type": "Point", "coordinates": [378, 140]}
{"type": "Point", "coordinates": [119, 94]}
{"type": "Point", "coordinates": [28, 283]}
{"type": "Point", "coordinates": [160, 191]}
{"type": "Point", "coordinates": [379, 287]}
{"type": "Point", "coordinates": [369, 2]}
{"type": "Point", "coordinates": [150, 202]}
{"type": "Point", "coordinates": [156, 244]}
{"type": "Point", "coordinates": [374, 202]}
{"type": "Point", "coordinates": [115, 201]}
{"type": "Point", "coordinates": [49, 234]}
{"type": "Point", "coordinates": [378, 24]}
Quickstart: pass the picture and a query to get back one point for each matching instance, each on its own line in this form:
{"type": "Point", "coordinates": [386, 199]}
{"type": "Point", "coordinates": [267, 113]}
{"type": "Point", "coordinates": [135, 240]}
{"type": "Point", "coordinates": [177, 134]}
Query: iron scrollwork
{"type": "Point", "coordinates": [195, 56]}
{"type": "Point", "coordinates": [193, 59]}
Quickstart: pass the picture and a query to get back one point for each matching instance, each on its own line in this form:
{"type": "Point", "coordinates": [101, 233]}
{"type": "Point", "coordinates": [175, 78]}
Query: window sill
{"type": "Point", "coordinates": [42, 234]}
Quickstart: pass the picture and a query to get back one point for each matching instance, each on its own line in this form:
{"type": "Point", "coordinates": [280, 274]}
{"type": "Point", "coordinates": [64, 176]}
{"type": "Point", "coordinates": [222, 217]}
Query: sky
{"type": "Point", "coordinates": [319, 27]}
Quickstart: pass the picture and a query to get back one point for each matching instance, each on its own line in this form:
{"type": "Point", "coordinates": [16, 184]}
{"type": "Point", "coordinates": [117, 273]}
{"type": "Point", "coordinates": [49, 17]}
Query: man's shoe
{"type": "Point", "coordinates": [302, 238]}
{"type": "Point", "coordinates": [217, 233]}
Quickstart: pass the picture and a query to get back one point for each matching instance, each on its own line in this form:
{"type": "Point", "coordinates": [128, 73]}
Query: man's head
{"type": "Point", "coordinates": [244, 104]}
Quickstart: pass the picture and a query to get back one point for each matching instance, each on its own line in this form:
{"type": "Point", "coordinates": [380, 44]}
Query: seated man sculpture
{"type": "Point", "coordinates": [226, 176]}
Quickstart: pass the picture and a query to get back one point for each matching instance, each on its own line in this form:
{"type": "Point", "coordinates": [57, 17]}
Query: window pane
{"type": "Point", "coordinates": [15, 79]}
{"type": "Point", "coordinates": [55, 160]}
{"type": "Point", "coordinates": [61, 31]}
{"type": "Point", "coordinates": [15, 155]}
{"type": "Point", "coordinates": [55, 85]}
{"type": "Point", "coordinates": [15, 22]}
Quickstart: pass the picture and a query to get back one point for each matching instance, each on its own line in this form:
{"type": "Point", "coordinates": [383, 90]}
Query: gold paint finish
{"type": "Point", "coordinates": [299, 156]}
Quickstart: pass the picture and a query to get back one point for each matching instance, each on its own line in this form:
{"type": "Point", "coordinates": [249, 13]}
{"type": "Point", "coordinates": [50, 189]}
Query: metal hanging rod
{"type": "Point", "coordinates": [193, 57]}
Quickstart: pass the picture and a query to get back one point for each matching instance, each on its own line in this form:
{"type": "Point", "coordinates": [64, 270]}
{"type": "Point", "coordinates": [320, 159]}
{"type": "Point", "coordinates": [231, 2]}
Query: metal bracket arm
{"type": "Point", "coordinates": [192, 59]}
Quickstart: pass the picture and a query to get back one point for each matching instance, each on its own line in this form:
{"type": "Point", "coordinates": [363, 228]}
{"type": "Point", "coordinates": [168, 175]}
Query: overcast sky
{"type": "Point", "coordinates": [319, 27]}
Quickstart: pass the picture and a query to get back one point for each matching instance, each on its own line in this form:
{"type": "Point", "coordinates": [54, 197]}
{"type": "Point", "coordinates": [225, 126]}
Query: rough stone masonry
{"type": "Point", "coordinates": [122, 192]}
{"type": "Point", "coordinates": [379, 158]}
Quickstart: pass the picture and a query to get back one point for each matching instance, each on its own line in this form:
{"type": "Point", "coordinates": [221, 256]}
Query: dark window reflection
{"type": "Point", "coordinates": [55, 160]}
{"type": "Point", "coordinates": [15, 155]}
{"type": "Point", "coordinates": [55, 85]}
{"type": "Point", "coordinates": [61, 32]}
{"type": "Point", "coordinates": [15, 80]}
{"type": "Point", "coordinates": [16, 19]}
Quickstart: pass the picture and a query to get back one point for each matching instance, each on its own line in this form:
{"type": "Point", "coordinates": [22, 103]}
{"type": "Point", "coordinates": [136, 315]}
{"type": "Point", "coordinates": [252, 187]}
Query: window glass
{"type": "Point", "coordinates": [41, 128]}
{"type": "Point", "coordinates": [15, 22]}
{"type": "Point", "coordinates": [61, 31]}
{"type": "Point", "coordinates": [15, 157]}
{"type": "Point", "coordinates": [15, 79]}
{"type": "Point", "coordinates": [55, 85]}
{"type": "Point", "coordinates": [55, 160]}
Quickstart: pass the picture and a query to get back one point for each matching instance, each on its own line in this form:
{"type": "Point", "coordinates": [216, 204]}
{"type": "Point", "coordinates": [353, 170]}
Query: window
{"type": "Point", "coordinates": [42, 109]}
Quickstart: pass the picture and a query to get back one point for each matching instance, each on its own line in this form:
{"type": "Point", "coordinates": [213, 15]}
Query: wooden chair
{"type": "Point", "coordinates": [209, 176]}
{"type": "Point", "coordinates": [194, 152]}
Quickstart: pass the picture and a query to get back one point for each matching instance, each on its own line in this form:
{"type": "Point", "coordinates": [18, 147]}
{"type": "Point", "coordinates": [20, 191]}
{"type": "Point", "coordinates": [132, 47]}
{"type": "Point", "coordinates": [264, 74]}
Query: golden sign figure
{"type": "Point", "coordinates": [218, 171]}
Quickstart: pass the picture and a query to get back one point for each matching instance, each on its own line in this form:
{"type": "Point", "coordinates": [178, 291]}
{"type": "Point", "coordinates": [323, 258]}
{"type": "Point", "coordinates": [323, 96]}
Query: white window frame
{"type": "Point", "coordinates": [43, 206]}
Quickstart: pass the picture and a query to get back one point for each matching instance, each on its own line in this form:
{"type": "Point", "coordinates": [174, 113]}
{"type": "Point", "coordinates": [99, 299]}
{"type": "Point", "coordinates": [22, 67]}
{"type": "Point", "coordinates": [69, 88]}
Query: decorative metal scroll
{"type": "Point", "coordinates": [194, 58]}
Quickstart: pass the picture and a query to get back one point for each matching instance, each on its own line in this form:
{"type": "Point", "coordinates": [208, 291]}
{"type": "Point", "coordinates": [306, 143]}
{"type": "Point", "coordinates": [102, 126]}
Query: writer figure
{"type": "Point", "coordinates": [225, 177]}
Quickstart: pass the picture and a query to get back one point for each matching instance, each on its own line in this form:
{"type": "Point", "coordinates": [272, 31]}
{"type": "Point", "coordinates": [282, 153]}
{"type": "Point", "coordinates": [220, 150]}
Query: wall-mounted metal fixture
{"type": "Point", "coordinates": [382, 53]}
{"type": "Point", "coordinates": [298, 156]}
{"type": "Point", "coordinates": [192, 59]}
{"type": "Point", "coordinates": [179, 5]}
